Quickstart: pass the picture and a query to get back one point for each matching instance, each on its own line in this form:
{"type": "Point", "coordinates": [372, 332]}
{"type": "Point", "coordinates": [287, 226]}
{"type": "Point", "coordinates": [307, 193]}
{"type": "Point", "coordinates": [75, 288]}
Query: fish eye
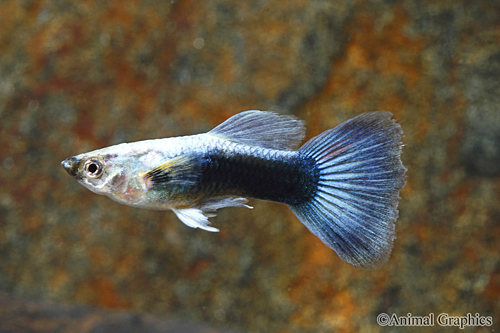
{"type": "Point", "coordinates": [93, 168]}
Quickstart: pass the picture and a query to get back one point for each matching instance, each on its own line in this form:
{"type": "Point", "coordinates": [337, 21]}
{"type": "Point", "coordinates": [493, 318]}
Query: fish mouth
{"type": "Point", "coordinates": [71, 165]}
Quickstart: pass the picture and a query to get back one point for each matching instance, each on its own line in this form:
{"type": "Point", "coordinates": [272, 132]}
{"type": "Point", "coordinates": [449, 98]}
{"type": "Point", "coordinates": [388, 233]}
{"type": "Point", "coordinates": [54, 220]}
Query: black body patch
{"type": "Point", "coordinates": [290, 179]}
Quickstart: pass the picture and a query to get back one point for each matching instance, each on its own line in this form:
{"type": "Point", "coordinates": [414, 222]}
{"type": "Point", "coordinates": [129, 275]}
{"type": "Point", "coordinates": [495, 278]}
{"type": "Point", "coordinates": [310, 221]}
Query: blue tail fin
{"type": "Point", "coordinates": [360, 176]}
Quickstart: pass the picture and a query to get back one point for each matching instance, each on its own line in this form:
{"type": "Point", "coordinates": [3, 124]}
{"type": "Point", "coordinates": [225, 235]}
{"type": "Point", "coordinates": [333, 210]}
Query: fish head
{"type": "Point", "coordinates": [99, 171]}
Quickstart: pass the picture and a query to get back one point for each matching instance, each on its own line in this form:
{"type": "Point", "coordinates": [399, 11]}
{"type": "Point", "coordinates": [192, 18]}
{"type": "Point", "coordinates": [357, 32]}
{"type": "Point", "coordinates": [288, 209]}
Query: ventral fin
{"type": "Point", "coordinates": [194, 218]}
{"type": "Point", "coordinates": [181, 170]}
{"type": "Point", "coordinates": [197, 217]}
{"type": "Point", "coordinates": [264, 129]}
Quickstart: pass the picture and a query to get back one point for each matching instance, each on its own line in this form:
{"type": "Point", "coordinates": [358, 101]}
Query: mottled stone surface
{"type": "Point", "coordinates": [77, 76]}
{"type": "Point", "coordinates": [23, 315]}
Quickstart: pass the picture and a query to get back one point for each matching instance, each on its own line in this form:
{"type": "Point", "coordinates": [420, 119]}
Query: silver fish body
{"type": "Point", "coordinates": [343, 184]}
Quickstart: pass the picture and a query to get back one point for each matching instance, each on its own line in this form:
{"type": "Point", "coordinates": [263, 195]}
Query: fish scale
{"type": "Point", "coordinates": [281, 176]}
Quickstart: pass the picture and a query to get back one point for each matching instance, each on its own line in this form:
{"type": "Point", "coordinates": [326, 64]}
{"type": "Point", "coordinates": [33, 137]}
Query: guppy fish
{"type": "Point", "coordinates": [343, 184]}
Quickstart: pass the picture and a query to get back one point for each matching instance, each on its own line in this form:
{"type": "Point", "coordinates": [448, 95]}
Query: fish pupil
{"type": "Point", "coordinates": [92, 168]}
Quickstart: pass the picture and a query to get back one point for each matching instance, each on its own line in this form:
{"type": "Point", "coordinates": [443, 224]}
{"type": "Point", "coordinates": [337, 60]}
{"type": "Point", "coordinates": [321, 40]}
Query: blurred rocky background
{"type": "Point", "coordinates": [81, 75]}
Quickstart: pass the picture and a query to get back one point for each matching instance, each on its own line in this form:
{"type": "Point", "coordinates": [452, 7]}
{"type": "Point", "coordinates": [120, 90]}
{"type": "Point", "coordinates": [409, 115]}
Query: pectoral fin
{"type": "Point", "coordinates": [182, 170]}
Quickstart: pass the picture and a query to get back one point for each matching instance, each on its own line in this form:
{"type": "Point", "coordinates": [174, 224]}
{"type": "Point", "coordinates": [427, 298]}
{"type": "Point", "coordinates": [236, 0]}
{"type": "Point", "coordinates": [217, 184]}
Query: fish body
{"type": "Point", "coordinates": [343, 185]}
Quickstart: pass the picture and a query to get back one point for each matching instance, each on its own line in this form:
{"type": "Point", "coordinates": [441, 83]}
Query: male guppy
{"type": "Point", "coordinates": [343, 184]}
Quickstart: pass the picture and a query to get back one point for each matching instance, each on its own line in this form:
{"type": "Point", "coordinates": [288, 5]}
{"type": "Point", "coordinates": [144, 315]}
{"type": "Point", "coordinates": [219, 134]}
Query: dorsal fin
{"type": "Point", "coordinates": [263, 128]}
